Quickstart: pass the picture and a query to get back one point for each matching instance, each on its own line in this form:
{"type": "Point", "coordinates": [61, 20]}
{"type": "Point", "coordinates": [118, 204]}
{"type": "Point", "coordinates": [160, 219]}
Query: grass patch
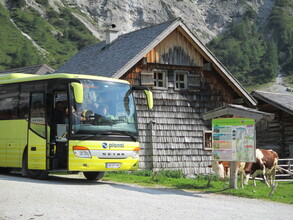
{"type": "Point", "coordinates": [261, 87]}
{"type": "Point", "coordinates": [204, 183]}
{"type": "Point", "coordinates": [289, 80]}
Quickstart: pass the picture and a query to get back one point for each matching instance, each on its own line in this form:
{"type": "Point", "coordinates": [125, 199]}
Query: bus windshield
{"type": "Point", "coordinates": [107, 109]}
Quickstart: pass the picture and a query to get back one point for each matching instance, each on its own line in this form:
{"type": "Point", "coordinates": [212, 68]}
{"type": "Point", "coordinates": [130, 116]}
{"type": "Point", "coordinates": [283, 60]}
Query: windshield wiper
{"type": "Point", "coordinates": [113, 132]}
{"type": "Point", "coordinates": [85, 136]}
{"type": "Point", "coordinates": [101, 133]}
{"type": "Point", "coordinates": [125, 132]}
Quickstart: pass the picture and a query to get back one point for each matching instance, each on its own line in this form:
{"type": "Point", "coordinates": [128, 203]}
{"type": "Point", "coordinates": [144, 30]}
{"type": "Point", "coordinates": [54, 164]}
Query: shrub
{"type": "Point", "coordinates": [143, 173]}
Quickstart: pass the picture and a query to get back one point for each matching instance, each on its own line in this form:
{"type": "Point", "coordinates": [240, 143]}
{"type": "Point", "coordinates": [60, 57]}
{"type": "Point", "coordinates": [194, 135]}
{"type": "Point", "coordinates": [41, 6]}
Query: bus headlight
{"type": "Point", "coordinates": [135, 152]}
{"type": "Point", "coordinates": [80, 151]}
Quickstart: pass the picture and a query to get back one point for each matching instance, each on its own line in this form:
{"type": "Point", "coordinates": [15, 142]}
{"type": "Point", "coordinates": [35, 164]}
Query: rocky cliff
{"type": "Point", "coordinates": [206, 18]}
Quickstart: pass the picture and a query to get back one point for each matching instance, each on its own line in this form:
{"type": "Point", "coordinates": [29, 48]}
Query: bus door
{"type": "Point", "coordinates": [59, 129]}
{"type": "Point", "coordinates": [37, 133]}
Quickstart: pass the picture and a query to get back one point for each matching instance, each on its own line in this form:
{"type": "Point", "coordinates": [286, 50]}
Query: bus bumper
{"type": "Point", "coordinates": [84, 165]}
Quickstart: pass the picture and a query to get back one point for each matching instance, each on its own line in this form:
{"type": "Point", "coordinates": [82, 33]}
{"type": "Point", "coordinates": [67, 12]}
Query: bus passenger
{"type": "Point", "coordinates": [59, 113]}
{"type": "Point", "coordinates": [94, 104]}
{"type": "Point", "coordinates": [105, 117]}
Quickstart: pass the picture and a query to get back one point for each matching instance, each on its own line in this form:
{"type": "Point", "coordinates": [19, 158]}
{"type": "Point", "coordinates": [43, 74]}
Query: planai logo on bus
{"type": "Point", "coordinates": [115, 145]}
{"type": "Point", "coordinates": [104, 145]}
{"type": "Point", "coordinates": [112, 145]}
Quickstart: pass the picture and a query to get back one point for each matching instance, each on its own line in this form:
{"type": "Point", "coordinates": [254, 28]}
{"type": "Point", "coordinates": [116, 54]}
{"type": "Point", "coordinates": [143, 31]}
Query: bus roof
{"type": "Point", "coordinates": [23, 77]}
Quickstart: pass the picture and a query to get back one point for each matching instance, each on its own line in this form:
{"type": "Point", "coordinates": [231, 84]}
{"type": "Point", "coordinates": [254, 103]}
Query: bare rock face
{"type": "Point", "coordinates": [205, 18]}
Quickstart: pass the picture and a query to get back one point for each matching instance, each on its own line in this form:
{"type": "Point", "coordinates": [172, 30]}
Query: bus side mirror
{"type": "Point", "coordinates": [78, 92]}
{"type": "Point", "coordinates": [148, 93]}
{"type": "Point", "coordinates": [150, 98]}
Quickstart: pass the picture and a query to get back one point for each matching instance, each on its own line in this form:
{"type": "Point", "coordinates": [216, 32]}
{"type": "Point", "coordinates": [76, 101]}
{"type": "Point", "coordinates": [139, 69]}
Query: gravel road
{"type": "Point", "coordinates": [73, 197]}
{"type": "Point", "coordinates": [279, 86]}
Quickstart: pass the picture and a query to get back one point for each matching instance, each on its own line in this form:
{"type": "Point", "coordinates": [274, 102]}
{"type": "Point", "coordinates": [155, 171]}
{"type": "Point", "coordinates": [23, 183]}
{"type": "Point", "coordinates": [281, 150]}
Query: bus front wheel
{"type": "Point", "coordinates": [33, 174]}
{"type": "Point", "coordinates": [94, 175]}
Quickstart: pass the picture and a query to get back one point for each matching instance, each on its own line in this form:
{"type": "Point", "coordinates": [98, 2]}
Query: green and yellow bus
{"type": "Point", "coordinates": [68, 123]}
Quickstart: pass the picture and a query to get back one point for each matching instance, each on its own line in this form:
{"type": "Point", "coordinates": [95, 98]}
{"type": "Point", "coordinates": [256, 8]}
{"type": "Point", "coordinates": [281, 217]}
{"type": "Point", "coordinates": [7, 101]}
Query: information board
{"type": "Point", "coordinates": [233, 139]}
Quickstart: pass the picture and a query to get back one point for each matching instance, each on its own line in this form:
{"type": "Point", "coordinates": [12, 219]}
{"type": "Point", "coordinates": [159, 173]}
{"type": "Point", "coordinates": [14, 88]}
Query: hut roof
{"type": "Point", "coordinates": [281, 101]}
{"type": "Point", "coordinates": [239, 111]}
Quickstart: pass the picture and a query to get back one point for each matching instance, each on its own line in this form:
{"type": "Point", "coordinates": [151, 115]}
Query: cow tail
{"type": "Point", "coordinates": [279, 169]}
{"type": "Point", "coordinates": [277, 166]}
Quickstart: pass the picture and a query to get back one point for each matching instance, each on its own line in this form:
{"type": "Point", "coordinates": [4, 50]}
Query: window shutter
{"type": "Point", "coordinates": [147, 78]}
{"type": "Point", "coordinates": [194, 81]}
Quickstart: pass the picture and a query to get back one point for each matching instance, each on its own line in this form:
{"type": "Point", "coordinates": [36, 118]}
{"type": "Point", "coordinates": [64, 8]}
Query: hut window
{"type": "Point", "coordinates": [181, 79]}
{"type": "Point", "coordinates": [207, 140]}
{"type": "Point", "coordinates": [160, 79]}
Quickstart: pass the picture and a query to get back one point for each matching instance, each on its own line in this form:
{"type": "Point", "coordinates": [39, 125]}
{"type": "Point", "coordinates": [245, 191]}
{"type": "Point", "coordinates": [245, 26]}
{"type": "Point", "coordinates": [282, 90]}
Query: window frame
{"type": "Point", "coordinates": [164, 80]}
{"type": "Point", "coordinates": [207, 140]}
{"type": "Point", "coordinates": [185, 74]}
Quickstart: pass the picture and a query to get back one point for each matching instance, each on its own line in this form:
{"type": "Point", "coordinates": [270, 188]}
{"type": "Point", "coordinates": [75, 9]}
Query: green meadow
{"type": "Point", "coordinates": [205, 183]}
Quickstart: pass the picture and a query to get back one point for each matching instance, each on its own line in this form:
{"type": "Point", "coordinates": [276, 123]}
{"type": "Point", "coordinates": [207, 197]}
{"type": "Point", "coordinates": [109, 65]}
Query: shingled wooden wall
{"type": "Point", "coordinates": [277, 134]}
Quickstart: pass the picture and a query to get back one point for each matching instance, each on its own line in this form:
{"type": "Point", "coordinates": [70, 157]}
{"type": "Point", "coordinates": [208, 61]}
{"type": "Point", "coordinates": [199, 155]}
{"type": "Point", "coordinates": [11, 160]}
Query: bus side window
{"type": "Point", "coordinates": [9, 99]}
{"type": "Point", "coordinates": [38, 109]}
{"type": "Point", "coordinates": [37, 114]}
{"type": "Point", "coordinates": [23, 105]}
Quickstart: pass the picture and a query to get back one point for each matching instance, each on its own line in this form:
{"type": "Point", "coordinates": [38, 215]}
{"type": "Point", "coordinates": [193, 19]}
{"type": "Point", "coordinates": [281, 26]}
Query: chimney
{"type": "Point", "coordinates": [111, 33]}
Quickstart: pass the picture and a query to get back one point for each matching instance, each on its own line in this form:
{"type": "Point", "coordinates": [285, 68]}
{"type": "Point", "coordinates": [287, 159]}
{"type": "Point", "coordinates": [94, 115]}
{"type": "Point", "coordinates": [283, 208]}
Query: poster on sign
{"type": "Point", "coordinates": [233, 139]}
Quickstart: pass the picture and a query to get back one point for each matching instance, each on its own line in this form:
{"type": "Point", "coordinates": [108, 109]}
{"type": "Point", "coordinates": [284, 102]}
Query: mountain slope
{"type": "Point", "coordinates": [51, 37]}
{"type": "Point", "coordinates": [14, 45]}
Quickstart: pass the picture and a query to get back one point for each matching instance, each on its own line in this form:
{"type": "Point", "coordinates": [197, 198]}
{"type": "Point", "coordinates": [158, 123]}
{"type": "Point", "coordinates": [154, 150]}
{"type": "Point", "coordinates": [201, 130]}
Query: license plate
{"type": "Point", "coordinates": [113, 165]}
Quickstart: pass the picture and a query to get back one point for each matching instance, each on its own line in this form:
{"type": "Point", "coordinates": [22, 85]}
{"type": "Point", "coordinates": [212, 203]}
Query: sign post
{"type": "Point", "coordinates": [233, 140]}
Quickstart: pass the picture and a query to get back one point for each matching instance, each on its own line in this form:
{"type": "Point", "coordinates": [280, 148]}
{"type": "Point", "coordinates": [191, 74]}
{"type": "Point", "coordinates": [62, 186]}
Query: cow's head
{"type": "Point", "coordinates": [218, 168]}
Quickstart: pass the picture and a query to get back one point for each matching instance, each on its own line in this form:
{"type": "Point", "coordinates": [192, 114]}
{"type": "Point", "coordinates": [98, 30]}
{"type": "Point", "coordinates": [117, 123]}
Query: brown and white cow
{"type": "Point", "coordinates": [222, 169]}
{"type": "Point", "coordinates": [266, 164]}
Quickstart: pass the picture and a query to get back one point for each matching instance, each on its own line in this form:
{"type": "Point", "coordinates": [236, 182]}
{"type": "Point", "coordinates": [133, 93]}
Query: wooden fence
{"type": "Point", "coordinates": [286, 167]}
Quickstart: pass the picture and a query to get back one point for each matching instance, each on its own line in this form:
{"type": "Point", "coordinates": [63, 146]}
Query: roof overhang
{"type": "Point", "coordinates": [277, 105]}
{"type": "Point", "coordinates": [239, 111]}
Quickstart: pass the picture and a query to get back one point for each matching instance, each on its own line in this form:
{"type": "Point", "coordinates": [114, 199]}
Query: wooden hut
{"type": "Point", "coordinates": [39, 69]}
{"type": "Point", "coordinates": [187, 80]}
{"type": "Point", "coordinates": [277, 134]}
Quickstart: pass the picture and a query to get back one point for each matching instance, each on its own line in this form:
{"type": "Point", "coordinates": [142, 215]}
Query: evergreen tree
{"type": "Point", "coordinates": [24, 56]}
{"type": "Point", "coordinates": [242, 50]}
{"type": "Point", "coordinates": [17, 59]}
